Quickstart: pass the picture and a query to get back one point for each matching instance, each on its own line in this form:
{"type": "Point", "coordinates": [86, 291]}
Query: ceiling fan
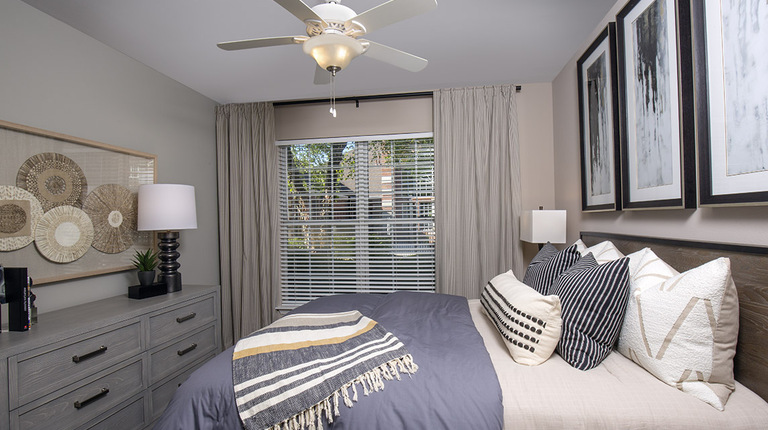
{"type": "Point", "coordinates": [333, 32]}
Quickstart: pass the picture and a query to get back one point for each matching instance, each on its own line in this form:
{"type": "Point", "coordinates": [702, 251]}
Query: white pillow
{"type": "Point", "coordinates": [683, 328]}
{"type": "Point", "coordinates": [646, 269]}
{"type": "Point", "coordinates": [580, 246]}
{"type": "Point", "coordinates": [528, 321]}
{"type": "Point", "coordinates": [604, 252]}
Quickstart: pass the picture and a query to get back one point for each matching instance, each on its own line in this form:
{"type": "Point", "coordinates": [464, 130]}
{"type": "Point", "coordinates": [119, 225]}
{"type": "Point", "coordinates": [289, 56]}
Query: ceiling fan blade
{"type": "Point", "coordinates": [394, 57]}
{"type": "Point", "coordinates": [322, 77]}
{"type": "Point", "coordinates": [391, 12]}
{"type": "Point", "coordinates": [300, 10]}
{"type": "Point", "coordinates": [260, 43]}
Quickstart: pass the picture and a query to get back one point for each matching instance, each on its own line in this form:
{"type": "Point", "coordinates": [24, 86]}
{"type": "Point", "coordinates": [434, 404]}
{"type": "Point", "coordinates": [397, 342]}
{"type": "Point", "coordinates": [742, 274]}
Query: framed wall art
{"type": "Point", "coordinates": [656, 102]}
{"type": "Point", "coordinates": [730, 45]}
{"type": "Point", "coordinates": [68, 205]}
{"type": "Point", "coordinates": [599, 124]}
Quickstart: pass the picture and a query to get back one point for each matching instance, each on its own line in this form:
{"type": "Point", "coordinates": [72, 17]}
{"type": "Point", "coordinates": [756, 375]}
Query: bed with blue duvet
{"type": "Point", "coordinates": [431, 361]}
{"type": "Point", "coordinates": [455, 385]}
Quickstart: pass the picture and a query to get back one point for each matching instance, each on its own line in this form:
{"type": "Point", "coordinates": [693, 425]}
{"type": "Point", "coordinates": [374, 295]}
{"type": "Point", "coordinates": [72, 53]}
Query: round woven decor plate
{"type": "Point", "coordinates": [54, 179]}
{"type": "Point", "coordinates": [64, 234]}
{"type": "Point", "coordinates": [112, 209]}
{"type": "Point", "coordinates": [19, 213]}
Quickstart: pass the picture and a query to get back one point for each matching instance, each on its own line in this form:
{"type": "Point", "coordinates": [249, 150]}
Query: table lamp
{"type": "Point", "coordinates": [543, 226]}
{"type": "Point", "coordinates": [167, 208]}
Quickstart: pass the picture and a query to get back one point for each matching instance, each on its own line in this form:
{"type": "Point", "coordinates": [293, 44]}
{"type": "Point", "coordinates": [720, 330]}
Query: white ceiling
{"type": "Point", "coordinates": [470, 42]}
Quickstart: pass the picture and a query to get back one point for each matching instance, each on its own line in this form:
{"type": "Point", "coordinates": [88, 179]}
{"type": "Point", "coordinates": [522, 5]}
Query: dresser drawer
{"type": "Point", "coordinates": [130, 417]}
{"type": "Point", "coordinates": [47, 369]}
{"type": "Point", "coordinates": [74, 408]}
{"type": "Point", "coordinates": [169, 325]}
{"type": "Point", "coordinates": [180, 354]}
{"type": "Point", "coordinates": [163, 393]}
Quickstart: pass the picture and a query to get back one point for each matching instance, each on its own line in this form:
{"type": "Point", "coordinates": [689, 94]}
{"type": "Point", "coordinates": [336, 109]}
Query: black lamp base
{"type": "Point", "coordinates": [169, 266]}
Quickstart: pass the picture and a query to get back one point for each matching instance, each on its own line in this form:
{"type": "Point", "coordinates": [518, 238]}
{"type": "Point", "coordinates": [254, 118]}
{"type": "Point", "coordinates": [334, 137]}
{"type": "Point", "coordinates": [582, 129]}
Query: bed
{"type": "Point", "coordinates": [467, 379]}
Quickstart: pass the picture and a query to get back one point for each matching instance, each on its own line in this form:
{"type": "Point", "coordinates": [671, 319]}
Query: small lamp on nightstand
{"type": "Point", "coordinates": [167, 208]}
{"type": "Point", "coordinates": [543, 226]}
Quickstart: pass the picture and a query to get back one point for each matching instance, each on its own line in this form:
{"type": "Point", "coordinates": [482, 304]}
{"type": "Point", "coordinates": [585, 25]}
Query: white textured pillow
{"type": "Point", "coordinates": [683, 328]}
{"type": "Point", "coordinates": [604, 252]}
{"type": "Point", "coordinates": [529, 322]}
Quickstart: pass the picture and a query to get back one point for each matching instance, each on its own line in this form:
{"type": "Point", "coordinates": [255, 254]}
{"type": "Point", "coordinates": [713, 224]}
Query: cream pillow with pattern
{"type": "Point", "coordinates": [683, 328]}
{"type": "Point", "coordinates": [529, 322]}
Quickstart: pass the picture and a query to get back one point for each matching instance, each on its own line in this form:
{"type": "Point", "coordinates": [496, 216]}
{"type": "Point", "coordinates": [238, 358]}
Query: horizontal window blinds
{"type": "Point", "coordinates": [357, 216]}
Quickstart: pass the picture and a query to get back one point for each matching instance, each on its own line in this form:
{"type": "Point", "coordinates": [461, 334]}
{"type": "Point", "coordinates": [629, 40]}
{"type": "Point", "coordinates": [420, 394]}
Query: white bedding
{"type": "Point", "coordinates": [616, 394]}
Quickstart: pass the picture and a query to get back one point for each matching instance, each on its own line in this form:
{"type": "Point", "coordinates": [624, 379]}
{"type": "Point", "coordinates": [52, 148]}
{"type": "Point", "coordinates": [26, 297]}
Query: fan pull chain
{"type": "Point", "coordinates": [333, 93]}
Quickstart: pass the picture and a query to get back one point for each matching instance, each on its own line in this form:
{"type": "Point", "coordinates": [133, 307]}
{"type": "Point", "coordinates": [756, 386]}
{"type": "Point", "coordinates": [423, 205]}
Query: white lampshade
{"type": "Point", "coordinates": [166, 207]}
{"type": "Point", "coordinates": [543, 226]}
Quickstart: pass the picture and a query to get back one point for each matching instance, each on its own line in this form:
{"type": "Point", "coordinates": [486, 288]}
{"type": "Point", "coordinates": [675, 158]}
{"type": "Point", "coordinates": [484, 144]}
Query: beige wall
{"type": "Point", "coordinates": [56, 78]}
{"type": "Point", "coordinates": [411, 115]}
{"type": "Point", "coordinates": [371, 117]}
{"type": "Point", "coordinates": [745, 225]}
{"type": "Point", "coordinates": [537, 167]}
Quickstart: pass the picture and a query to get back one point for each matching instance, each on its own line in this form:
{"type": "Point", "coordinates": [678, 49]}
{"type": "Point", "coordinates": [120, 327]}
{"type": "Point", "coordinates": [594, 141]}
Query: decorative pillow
{"type": "Point", "coordinates": [580, 246]}
{"type": "Point", "coordinates": [528, 321]}
{"type": "Point", "coordinates": [594, 299]}
{"type": "Point", "coordinates": [646, 269]}
{"type": "Point", "coordinates": [547, 265]}
{"type": "Point", "coordinates": [603, 252]}
{"type": "Point", "coordinates": [683, 328]}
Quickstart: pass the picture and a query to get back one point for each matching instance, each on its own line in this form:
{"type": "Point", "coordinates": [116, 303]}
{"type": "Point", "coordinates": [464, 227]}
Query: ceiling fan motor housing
{"type": "Point", "coordinates": [335, 14]}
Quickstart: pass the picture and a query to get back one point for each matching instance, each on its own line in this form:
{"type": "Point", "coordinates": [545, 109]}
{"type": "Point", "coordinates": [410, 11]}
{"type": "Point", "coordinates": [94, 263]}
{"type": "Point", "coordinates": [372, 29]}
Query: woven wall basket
{"type": "Point", "coordinates": [19, 213]}
{"type": "Point", "coordinates": [64, 234]}
{"type": "Point", "coordinates": [112, 209]}
{"type": "Point", "coordinates": [54, 179]}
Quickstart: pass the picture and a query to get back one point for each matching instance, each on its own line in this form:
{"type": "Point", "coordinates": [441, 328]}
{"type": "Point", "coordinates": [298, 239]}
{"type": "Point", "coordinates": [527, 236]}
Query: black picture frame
{"type": "Point", "coordinates": [656, 100]}
{"type": "Point", "coordinates": [599, 124]}
{"type": "Point", "coordinates": [731, 173]}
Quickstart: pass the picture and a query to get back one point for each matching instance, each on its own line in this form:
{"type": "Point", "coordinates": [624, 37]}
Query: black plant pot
{"type": "Point", "coordinates": [146, 277]}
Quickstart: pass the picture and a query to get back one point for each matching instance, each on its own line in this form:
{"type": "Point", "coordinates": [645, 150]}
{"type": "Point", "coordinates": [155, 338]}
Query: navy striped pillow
{"type": "Point", "coordinates": [547, 265]}
{"type": "Point", "coordinates": [594, 300]}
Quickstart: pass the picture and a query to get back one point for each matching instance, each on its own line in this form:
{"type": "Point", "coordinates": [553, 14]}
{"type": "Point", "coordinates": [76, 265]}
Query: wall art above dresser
{"type": "Point", "coordinates": [68, 205]}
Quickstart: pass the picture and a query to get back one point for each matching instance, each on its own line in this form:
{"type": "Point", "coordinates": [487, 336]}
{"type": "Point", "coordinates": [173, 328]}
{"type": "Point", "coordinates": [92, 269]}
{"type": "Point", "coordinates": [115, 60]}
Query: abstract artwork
{"type": "Point", "coordinates": [656, 136]}
{"type": "Point", "coordinates": [730, 41]}
{"type": "Point", "coordinates": [74, 198]}
{"type": "Point", "coordinates": [598, 104]}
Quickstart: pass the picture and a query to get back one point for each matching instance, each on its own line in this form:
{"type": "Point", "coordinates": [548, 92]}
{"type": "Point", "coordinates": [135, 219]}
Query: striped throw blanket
{"type": "Point", "coordinates": [288, 374]}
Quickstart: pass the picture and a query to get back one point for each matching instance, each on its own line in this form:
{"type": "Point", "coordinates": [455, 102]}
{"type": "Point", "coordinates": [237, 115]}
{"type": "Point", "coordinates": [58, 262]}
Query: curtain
{"type": "Point", "coordinates": [248, 194]}
{"type": "Point", "coordinates": [477, 188]}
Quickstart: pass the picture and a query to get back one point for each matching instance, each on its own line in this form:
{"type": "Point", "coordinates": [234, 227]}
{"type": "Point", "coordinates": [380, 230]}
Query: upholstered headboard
{"type": "Point", "coordinates": [749, 267]}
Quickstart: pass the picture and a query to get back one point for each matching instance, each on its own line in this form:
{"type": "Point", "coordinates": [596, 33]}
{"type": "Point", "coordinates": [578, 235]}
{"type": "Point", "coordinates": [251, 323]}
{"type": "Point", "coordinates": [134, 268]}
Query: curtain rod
{"type": "Point", "coordinates": [357, 99]}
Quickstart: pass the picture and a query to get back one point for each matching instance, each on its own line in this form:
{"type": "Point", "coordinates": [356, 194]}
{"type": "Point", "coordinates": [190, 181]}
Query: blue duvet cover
{"type": "Point", "coordinates": [455, 386]}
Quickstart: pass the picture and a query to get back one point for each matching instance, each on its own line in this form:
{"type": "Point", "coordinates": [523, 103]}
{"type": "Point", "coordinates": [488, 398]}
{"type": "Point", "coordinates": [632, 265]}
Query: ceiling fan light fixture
{"type": "Point", "coordinates": [333, 51]}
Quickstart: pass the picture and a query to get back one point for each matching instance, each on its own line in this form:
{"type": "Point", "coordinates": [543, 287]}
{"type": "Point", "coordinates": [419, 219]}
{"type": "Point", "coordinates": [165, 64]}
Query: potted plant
{"type": "Point", "coordinates": [145, 263]}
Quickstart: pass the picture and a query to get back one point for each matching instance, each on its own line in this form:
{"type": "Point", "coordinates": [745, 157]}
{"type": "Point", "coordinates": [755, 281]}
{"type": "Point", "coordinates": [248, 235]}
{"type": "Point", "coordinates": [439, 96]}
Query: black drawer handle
{"type": "Point", "coordinates": [78, 358]}
{"type": "Point", "coordinates": [187, 349]}
{"type": "Point", "coordinates": [89, 400]}
{"type": "Point", "coordinates": [185, 318]}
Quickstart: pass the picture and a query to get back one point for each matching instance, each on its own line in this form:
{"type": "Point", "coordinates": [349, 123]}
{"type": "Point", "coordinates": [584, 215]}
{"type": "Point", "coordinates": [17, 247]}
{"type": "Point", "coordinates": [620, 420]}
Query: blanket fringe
{"type": "Point", "coordinates": [373, 380]}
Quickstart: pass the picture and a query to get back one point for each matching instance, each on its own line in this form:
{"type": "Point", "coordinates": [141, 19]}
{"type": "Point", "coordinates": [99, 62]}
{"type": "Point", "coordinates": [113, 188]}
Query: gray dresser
{"type": "Point", "coordinates": [110, 364]}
